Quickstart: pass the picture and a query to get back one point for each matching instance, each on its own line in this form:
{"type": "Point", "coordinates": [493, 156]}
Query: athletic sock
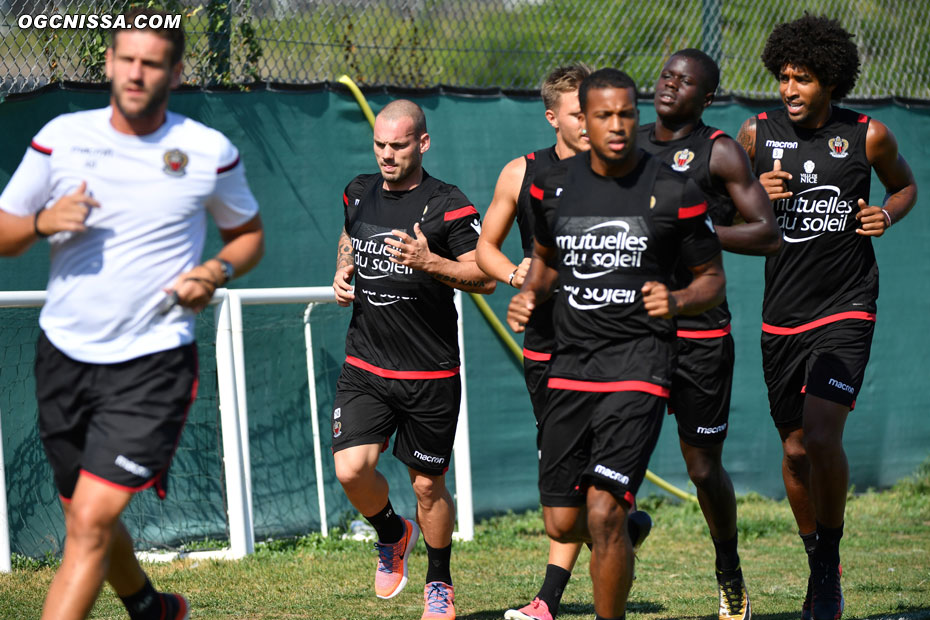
{"type": "Point", "coordinates": [810, 541]}
{"type": "Point", "coordinates": [553, 586]}
{"type": "Point", "coordinates": [144, 604]}
{"type": "Point", "coordinates": [388, 524]}
{"type": "Point", "coordinates": [828, 543]}
{"type": "Point", "coordinates": [597, 617]}
{"type": "Point", "coordinates": [727, 555]}
{"type": "Point", "coordinates": [438, 561]}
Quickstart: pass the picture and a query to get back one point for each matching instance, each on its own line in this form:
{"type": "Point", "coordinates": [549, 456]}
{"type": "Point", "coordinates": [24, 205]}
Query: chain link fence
{"type": "Point", "coordinates": [471, 44]}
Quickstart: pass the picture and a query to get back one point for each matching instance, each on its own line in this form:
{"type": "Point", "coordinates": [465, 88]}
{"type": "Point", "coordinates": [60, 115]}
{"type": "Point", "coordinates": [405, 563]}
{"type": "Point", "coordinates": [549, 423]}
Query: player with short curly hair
{"type": "Point", "coordinates": [815, 160]}
{"type": "Point", "coordinates": [821, 45]}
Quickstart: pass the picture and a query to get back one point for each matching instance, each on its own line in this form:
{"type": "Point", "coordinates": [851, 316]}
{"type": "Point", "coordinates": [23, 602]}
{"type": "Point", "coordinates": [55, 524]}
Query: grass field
{"type": "Point", "coordinates": [886, 569]}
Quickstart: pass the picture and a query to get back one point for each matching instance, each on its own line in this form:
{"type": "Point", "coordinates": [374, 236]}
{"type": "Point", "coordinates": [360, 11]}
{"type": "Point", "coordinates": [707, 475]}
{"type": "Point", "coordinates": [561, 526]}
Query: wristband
{"type": "Point", "coordinates": [887, 217]}
{"type": "Point", "coordinates": [512, 274]}
{"type": "Point", "coordinates": [35, 225]}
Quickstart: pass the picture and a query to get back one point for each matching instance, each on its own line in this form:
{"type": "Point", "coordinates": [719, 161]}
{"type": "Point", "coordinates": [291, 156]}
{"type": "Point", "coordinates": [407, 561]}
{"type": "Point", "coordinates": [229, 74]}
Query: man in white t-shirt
{"type": "Point", "coordinates": [122, 195]}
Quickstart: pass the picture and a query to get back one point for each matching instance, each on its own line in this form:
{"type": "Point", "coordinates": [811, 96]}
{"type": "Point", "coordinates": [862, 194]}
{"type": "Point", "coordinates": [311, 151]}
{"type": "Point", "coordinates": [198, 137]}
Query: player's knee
{"type": "Point", "coordinates": [818, 442]}
{"type": "Point", "coordinates": [352, 472]}
{"type": "Point", "coordinates": [88, 528]}
{"type": "Point", "coordinates": [428, 489]}
{"type": "Point", "coordinates": [562, 530]}
{"type": "Point", "coordinates": [703, 472]}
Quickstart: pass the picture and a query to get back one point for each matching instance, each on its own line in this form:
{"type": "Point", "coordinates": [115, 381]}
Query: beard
{"type": "Point", "coordinates": [157, 97]}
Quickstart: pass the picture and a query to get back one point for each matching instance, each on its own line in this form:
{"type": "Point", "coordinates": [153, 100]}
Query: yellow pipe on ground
{"type": "Point", "coordinates": [489, 315]}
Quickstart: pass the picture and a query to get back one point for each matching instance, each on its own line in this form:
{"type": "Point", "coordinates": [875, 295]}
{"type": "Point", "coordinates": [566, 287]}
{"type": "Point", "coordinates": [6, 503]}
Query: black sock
{"type": "Point", "coordinates": [144, 604]}
{"type": "Point", "coordinates": [727, 556]}
{"type": "Point", "coordinates": [810, 541]}
{"type": "Point", "coordinates": [437, 567]}
{"type": "Point", "coordinates": [553, 586]}
{"type": "Point", "coordinates": [597, 617]}
{"type": "Point", "coordinates": [828, 543]}
{"type": "Point", "coordinates": [388, 524]}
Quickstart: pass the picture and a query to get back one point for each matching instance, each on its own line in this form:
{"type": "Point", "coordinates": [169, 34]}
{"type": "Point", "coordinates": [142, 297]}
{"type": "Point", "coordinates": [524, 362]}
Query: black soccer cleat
{"type": "Point", "coordinates": [827, 601]}
{"type": "Point", "coordinates": [639, 524]}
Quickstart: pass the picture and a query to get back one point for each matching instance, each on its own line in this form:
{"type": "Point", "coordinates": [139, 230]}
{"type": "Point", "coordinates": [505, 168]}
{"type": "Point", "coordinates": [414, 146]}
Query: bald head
{"type": "Point", "coordinates": [404, 108]}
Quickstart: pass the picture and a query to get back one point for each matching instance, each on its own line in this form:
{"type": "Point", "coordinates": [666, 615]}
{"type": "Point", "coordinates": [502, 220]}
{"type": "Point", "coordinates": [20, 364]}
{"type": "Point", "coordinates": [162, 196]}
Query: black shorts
{"type": "Point", "coordinates": [424, 412]}
{"type": "Point", "coordinates": [119, 423]}
{"type": "Point", "coordinates": [827, 361]}
{"type": "Point", "coordinates": [536, 374]}
{"type": "Point", "coordinates": [700, 397]}
{"type": "Point", "coordinates": [599, 438]}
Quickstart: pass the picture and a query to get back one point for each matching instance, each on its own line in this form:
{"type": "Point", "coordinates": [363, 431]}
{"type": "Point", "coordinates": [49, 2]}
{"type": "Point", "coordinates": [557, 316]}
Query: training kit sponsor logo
{"type": "Point", "coordinates": [132, 467]}
{"type": "Point", "coordinates": [808, 175]}
{"type": "Point", "coordinates": [839, 148]}
{"type": "Point", "coordinates": [713, 430]}
{"type": "Point", "coordinates": [611, 474]}
{"type": "Point", "coordinates": [90, 21]}
{"type": "Point", "coordinates": [841, 386]}
{"type": "Point", "coordinates": [682, 159]}
{"type": "Point", "coordinates": [373, 263]}
{"type": "Point", "coordinates": [813, 212]}
{"type": "Point", "coordinates": [428, 458]}
{"type": "Point", "coordinates": [778, 147]}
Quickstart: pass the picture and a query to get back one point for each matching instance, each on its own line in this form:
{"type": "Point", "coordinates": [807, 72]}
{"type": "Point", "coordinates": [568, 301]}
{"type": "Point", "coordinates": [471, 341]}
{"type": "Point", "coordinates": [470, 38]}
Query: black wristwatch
{"type": "Point", "coordinates": [228, 270]}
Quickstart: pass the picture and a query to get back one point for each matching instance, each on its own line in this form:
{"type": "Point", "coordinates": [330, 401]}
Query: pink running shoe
{"type": "Point", "coordinates": [439, 601]}
{"type": "Point", "coordinates": [391, 576]}
{"type": "Point", "coordinates": [537, 610]}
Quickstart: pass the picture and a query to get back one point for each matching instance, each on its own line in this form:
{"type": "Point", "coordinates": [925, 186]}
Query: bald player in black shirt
{"type": "Point", "coordinates": [700, 396]}
{"type": "Point", "coordinates": [611, 225]}
{"type": "Point", "coordinates": [409, 239]}
{"type": "Point", "coordinates": [815, 160]}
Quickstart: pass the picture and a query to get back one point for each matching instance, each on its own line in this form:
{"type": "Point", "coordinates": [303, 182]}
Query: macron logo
{"type": "Point", "coordinates": [778, 144]}
{"type": "Point", "coordinates": [703, 430]}
{"type": "Point", "coordinates": [426, 458]}
{"type": "Point", "coordinates": [613, 475]}
{"type": "Point", "coordinates": [841, 386]}
{"type": "Point", "coordinates": [132, 467]}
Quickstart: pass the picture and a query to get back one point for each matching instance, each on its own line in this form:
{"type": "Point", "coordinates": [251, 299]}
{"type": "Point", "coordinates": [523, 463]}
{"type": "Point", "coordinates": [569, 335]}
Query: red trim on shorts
{"type": "Point", "coordinates": [42, 149]}
{"type": "Point", "coordinates": [64, 499]}
{"type": "Point", "coordinates": [716, 134]}
{"type": "Point", "coordinates": [459, 213]}
{"type": "Point", "coordinates": [531, 156]}
{"type": "Point", "coordinates": [161, 491]}
{"type": "Point", "coordinates": [694, 211]}
{"type": "Point", "coordinates": [345, 199]}
{"type": "Point", "coordinates": [386, 445]}
{"type": "Point", "coordinates": [863, 118]}
{"type": "Point", "coordinates": [535, 192]}
{"type": "Point", "coordinates": [833, 318]}
{"type": "Point", "coordinates": [763, 115]}
{"type": "Point", "coordinates": [536, 356]}
{"type": "Point", "coordinates": [229, 167]}
{"type": "Point", "coordinates": [556, 383]}
{"type": "Point", "coordinates": [703, 333]}
{"type": "Point", "coordinates": [401, 374]}
{"type": "Point", "coordinates": [121, 487]}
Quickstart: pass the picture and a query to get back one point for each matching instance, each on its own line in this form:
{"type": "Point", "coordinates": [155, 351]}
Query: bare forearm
{"type": "Point", "coordinates": [16, 234]}
{"type": "Point", "coordinates": [244, 252]}
{"type": "Point", "coordinates": [901, 202]}
{"type": "Point", "coordinates": [344, 256]}
{"type": "Point", "coordinates": [706, 291]}
{"type": "Point", "coordinates": [761, 238]}
{"type": "Point", "coordinates": [465, 276]}
{"type": "Point", "coordinates": [494, 262]}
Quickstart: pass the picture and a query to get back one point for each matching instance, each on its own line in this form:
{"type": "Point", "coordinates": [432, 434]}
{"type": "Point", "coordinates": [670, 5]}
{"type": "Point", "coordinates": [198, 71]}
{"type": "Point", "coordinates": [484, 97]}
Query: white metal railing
{"type": "Point", "coordinates": [233, 403]}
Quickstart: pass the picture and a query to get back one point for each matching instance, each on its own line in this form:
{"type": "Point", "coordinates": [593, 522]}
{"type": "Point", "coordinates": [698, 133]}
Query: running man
{"type": "Point", "coordinates": [815, 160]}
{"type": "Point", "coordinates": [611, 224]}
{"type": "Point", "coordinates": [512, 203]}
{"type": "Point", "coordinates": [408, 240]}
{"type": "Point", "coordinates": [122, 195]}
{"type": "Point", "coordinates": [700, 397]}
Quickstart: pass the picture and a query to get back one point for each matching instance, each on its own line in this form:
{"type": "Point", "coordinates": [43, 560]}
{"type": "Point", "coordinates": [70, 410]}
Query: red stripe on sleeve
{"type": "Point", "coordinates": [535, 192]}
{"type": "Point", "coordinates": [40, 148]}
{"type": "Point", "coordinates": [345, 199]}
{"type": "Point", "coordinates": [716, 134]}
{"type": "Point", "coordinates": [696, 210]}
{"type": "Point", "coordinates": [458, 213]}
{"type": "Point", "coordinates": [531, 156]}
{"type": "Point", "coordinates": [863, 118]}
{"type": "Point", "coordinates": [229, 167]}
{"type": "Point", "coordinates": [763, 115]}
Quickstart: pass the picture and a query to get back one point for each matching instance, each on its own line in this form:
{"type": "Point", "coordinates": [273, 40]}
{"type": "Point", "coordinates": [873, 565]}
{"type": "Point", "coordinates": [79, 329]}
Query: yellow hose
{"type": "Point", "coordinates": [489, 315]}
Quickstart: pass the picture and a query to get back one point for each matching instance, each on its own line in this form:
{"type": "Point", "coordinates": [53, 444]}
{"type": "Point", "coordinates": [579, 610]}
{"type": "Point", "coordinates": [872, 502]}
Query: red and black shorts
{"type": "Point", "coordinates": [536, 374]}
{"type": "Point", "coordinates": [701, 385]}
{"type": "Point", "coordinates": [827, 361]}
{"type": "Point", "coordinates": [118, 423]}
{"type": "Point", "coordinates": [369, 408]}
{"type": "Point", "coordinates": [603, 439]}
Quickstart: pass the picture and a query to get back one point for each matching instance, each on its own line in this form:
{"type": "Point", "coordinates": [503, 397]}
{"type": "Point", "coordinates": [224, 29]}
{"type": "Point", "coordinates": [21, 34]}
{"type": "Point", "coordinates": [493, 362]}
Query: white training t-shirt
{"type": "Point", "coordinates": [106, 284]}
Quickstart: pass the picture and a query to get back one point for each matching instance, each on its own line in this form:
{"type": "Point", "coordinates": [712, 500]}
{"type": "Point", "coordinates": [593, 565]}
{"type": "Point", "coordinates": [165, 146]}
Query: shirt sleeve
{"type": "Point", "coordinates": [231, 204]}
{"type": "Point", "coordinates": [545, 192]}
{"type": "Point", "coordinates": [699, 242]}
{"type": "Point", "coordinates": [351, 196]}
{"type": "Point", "coordinates": [30, 188]}
{"type": "Point", "coordinates": [463, 223]}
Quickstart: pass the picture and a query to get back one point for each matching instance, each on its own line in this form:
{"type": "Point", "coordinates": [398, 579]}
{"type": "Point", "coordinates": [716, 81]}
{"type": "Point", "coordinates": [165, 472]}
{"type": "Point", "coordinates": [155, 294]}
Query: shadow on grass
{"type": "Point", "coordinates": [570, 610]}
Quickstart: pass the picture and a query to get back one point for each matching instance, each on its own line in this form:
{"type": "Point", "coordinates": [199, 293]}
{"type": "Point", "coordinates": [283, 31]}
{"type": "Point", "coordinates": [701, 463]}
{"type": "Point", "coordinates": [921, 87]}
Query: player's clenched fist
{"type": "Point", "coordinates": [342, 286]}
{"type": "Point", "coordinates": [775, 182]}
{"type": "Point", "coordinates": [657, 299]}
{"type": "Point", "coordinates": [520, 310]}
{"type": "Point", "coordinates": [872, 220]}
{"type": "Point", "coordinates": [68, 213]}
